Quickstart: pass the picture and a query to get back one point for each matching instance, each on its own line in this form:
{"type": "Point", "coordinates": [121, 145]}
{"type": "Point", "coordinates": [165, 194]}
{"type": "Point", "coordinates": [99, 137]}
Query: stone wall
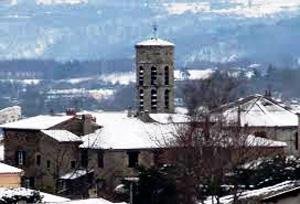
{"type": "Point", "coordinates": [115, 165]}
{"type": "Point", "coordinates": [34, 143]}
{"type": "Point", "coordinates": [284, 134]}
{"type": "Point", "coordinates": [158, 57]}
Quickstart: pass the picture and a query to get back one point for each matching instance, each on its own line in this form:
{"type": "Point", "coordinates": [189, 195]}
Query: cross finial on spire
{"type": "Point", "coordinates": [155, 28]}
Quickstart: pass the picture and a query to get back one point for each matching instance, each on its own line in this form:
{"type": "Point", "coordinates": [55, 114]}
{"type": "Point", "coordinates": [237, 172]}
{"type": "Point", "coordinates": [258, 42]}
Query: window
{"type": "Point", "coordinates": [100, 158]}
{"type": "Point", "coordinates": [153, 75]}
{"type": "Point", "coordinates": [84, 158]}
{"type": "Point", "coordinates": [38, 159]}
{"type": "Point", "coordinates": [48, 164]}
{"type": "Point", "coordinates": [28, 182]}
{"type": "Point", "coordinates": [166, 75]}
{"type": "Point", "coordinates": [296, 141]}
{"type": "Point", "coordinates": [20, 157]}
{"type": "Point", "coordinates": [153, 99]}
{"type": "Point", "coordinates": [141, 76]}
{"type": "Point", "coordinates": [133, 159]}
{"type": "Point", "coordinates": [141, 99]}
{"type": "Point", "coordinates": [73, 164]}
{"type": "Point", "coordinates": [61, 184]}
{"type": "Point", "coordinates": [167, 99]}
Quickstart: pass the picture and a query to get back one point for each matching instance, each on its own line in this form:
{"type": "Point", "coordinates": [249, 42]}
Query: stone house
{"type": "Point", "coordinates": [44, 147]}
{"type": "Point", "coordinates": [264, 117]}
{"type": "Point", "coordinates": [124, 142]}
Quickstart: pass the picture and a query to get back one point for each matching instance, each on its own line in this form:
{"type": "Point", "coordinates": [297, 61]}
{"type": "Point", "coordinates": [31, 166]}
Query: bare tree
{"type": "Point", "coordinates": [221, 87]}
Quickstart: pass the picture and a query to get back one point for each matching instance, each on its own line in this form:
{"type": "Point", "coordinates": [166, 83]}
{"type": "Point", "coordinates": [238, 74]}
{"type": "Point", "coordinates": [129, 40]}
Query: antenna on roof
{"type": "Point", "coordinates": [155, 28]}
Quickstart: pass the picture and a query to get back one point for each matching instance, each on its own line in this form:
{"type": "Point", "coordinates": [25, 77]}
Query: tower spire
{"type": "Point", "coordinates": [155, 28]}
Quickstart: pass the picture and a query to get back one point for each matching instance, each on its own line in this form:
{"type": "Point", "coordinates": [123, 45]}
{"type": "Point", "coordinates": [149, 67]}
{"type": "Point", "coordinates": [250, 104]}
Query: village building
{"type": "Point", "coordinates": [155, 76]}
{"type": "Point", "coordinates": [264, 117]}
{"type": "Point", "coordinates": [45, 147]}
{"type": "Point", "coordinates": [98, 150]}
{"type": "Point", "coordinates": [10, 177]}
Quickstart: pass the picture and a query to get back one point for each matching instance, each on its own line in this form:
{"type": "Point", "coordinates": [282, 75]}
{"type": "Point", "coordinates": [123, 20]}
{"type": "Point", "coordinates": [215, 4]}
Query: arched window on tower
{"type": "Point", "coordinates": [153, 75]}
{"type": "Point", "coordinates": [141, 98]}
{"type": "Point", "coordinates": [141, 76]}
{"type": "Point", "coordinates": [167, 75]}
{"type": "Point", "coordinates": [296, 141]}
{"type": "Point", "coordinates": [167, 99]}
{"type": "Point", "coordinates": [154, 99]}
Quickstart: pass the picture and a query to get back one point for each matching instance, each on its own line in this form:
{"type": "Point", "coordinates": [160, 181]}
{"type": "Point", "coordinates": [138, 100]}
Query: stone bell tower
{"type": "Point", "coordinates": [155, 76]}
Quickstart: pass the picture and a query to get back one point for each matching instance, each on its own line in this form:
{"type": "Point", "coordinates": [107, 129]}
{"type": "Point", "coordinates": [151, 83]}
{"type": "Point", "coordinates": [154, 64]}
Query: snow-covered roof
{"type": "Point", "coordinates": [40, 122]}
{"type": "Point", "coordinates": [46, 198]}
{"type": "Point", "coordinates": [62, 135]}
{"type": "Point", "coordinates": [75, 174]}
{"type": "Point", "coordinates": [155, 42]}
{"type": "Point", "coordinates": [257, 193]}
{"type": "Point", "coordinates": [259, 111]}
{"type": "Point", "coordinates": [252, 141]}
{"type": "Point", "coordinates": [283, 193]}
{"type": "Point", "coordinates": [122, 132]}
{"type": "Point", "coordinates": [4, 168]}
{"type": "Point", "coordinates": [91, 201]}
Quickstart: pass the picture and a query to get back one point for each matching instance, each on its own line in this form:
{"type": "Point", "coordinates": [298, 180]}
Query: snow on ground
{"type": "Point", "coordinates": [192, 74]}
{"type": "Point", "coordinates": [91, 201]}
{"type": "Point", "coordinates": [46, 198]}
{"type": "Point", "coordinates": [250, 9]}
{"type": "Point", "coordinates": [56, 2]}
{"type": "Point", "coordinates": [166, 118]}
{"type": "Point", "coordinates": [122, 78]}
{"type": "Point", "coordinates": [22, 81]}
{"type": "Point", "coordinates": [95, 93]}
{"type": "Point", "coordinates": [50, 198]}
{"type": "Point", "coordinates": [256, 193]}
{"type": "Point", "coordinates": [75, 80]}
{"type": "Point", "coordinates": [125, 78]}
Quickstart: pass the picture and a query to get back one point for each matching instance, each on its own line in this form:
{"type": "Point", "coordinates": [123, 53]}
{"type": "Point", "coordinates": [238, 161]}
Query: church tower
{"type": "Point", "coordinates": [155, 76]}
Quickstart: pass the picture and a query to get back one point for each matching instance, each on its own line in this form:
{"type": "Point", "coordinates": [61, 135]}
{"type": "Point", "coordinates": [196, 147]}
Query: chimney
{"type": "Point", "coordinates": [89, 124]}
{"type": "Point", "coordinates": [268, 93]}
{"type": "Point", "coordinates": [71, 111]}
